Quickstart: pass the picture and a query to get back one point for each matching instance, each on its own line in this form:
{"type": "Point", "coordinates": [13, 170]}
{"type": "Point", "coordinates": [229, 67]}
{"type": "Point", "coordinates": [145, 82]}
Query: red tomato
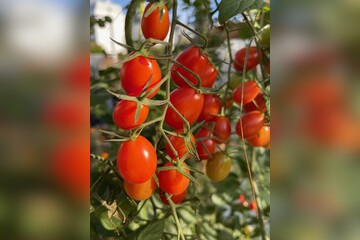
{"type": "Point", "coordinates": [253, 205]}
{"type": "Point", "coordinates": [262, 138]}
{"type": "Point", "coordinates": [179, 144]}
{"type": "Point", "coordinates": [196, 61]}
{"type": "Point", "coordinates": [222, 129]}
{"type": "Point", "coordinates": [251, 90]}
{"type": "Point", "coordinates": [175, 198]}
{"type": "Point", "coordinates": [140, 191]}
{"type": "Point", "coordinates": [154, 26]}
{"type": "Point", "coordinates": [136, 160]}
{"type": "Point", "coordinates": [124, 114]}
{"type": "Point", "coordinates": [251, 124]}
{"type": "Point", "coordinates": [241, 198]}
{"type": "Point", "coordinates": [212, 105]}
{"type": "Point", "coordinates": [137, 72]}
{"type": "Point", "coordinates": [260, 102]}
{"type": "Point", "coordinates": [252, 60]}
{"type": "Point", "coordinates": [172, 181]}
{"type": "Point", "coordinates": [209, 143]}
{"type": "Point", "coordinates": [188, 102]}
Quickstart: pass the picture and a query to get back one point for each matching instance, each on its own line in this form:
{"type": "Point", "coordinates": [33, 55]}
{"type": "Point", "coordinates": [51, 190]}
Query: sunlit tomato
{"type": "Point", "coordinates": [140, 191]}
{"type": "Point", "coordinates": [260, 102]}
{"type": "Point", "coordinates": [188, 102]}
{"type": "Point", "coordinates": [205, 146]}
{"type": "Point", "coordinates": [262, 138]}
{"type": "Point", "coordinates": [124, 114]}
{"type": "Point", "coordinates": [175, 198]}
{"type": "Point", "coordinates": [136, 160]}
{"type": "Point", "coordinates": [251, 90]}
{"type": "Point", "coordinates": [154, 25]}
{"type": "Point", "coordinates": [251, 124]}
{"type": "Point", "coordinates": [222, 129]}
{"type": "Point", "coordinates": [199, 63]}
{"type": "Point", "coordinates": [179, 144]}
{"type": "Point", "coordinates": [137, 72]}
{"type": "Point", "coordinates": [172, 181]}
{"type": "Point", "coordinates": [253, 205]}
{"type": "Point", "coordinates": [218, 166]}
{"type": "Point", "coordinates": [252, 60]}
{"type": "Point", "coordinates": [212, 105]}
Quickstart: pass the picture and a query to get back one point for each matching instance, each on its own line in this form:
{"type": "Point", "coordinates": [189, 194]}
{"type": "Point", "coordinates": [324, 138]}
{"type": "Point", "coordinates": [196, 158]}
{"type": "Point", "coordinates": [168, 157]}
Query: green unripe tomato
{"type": "Point", "coordinates": [218, 166]}
{"type": "Point", "coordinates": [265, 36]}
{"type": "Point", "coordinates": [235, 80]}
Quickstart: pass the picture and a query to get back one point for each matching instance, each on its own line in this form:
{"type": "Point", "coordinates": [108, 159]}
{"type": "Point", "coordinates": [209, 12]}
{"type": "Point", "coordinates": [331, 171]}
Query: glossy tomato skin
{"type": "Point", "coordinates": [251, 122]}
{"type": "Point", "coordinates": [136, 160]}
{"type": "Point", "coordinates": [137, 72]}
{"type": "Point", "coordinates": [188, 102]}
{"type": "Point", "coordinates": [252, 60]}
{"type": "Point", "coordinates": [210, 143]}
{"type": "Point", "coordinates": [154, 27]}
{"type": "Point", "coordinates": [140, 191]}
{"type": "Point", "coordinates": [124, 114]}
{"type": "Point", "coordinates": [212, 105]}
{"type": "Point", "coordinates": [260, 102]}
{"type": "Point", "coordinates": [218, 166]}
{"type": "Point", "coordinates": [261, 139]}
{"type": "Point", "coordinates": [246, 94]}
{"type": "Point", "coordinates": [172, 181]}
{"type": "Point", "coordinates": [179, 144]}
{"type": "Point", "coordinates": [222, 129]}
{"type": "Point", "coordinates": [195, 60]}
{"type": "Point", "coordinates": [175, 198]}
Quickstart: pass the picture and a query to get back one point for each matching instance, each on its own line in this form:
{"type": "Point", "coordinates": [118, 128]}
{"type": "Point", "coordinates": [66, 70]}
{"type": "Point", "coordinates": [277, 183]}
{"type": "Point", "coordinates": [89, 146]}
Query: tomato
{"type": "Point", "coordinates": [235, 80]}
{"type": "Point", "coordinates": [140, 191]}
{"type": "Point", "coordinates": [251, 90]}
{"type": "Point", "coordinates": [212, 105]}
{"type": "Point", "coordinates": [210, 144]}
{"type": "Point", "coordinates": [265, 36]}
{"type": "Point", "coordinates": [267, 67]}
{"type": "Point", "coordinates": [262, 138]}
{"type": "Point", "coordinates": [260, 102]}
{"type": "Point", "coordinates": [136, 160]}
{"type": "Point", "coordinates": [222, 129]}
{"type": "Point", "coordinates": [179, 144]}
{"type": "Point", "coordinates": [218, 166]}
{"type": "Point", "coordinates": [172, 181]}
{"type": "Point", "coordinates": [199, 63]}
{"type": "Point", "coordinates": [154, 25]}
{"type": "Point", "coordinates": [252, 122]}
{"type": "Point", "coordinates": [188, 102]}
{"type": "Point", "coordinates": [252, 60]}
{"type": "Point", "coordinates": [124, 114]}
{"type": "Point", "coordinates": [253, 205]}
{"type": "Point", "coordinates": [175, 198]}
{"type": "Point", "coordinates": [137, 72]}
{"type": "Point", "coordinates": [241, 198]}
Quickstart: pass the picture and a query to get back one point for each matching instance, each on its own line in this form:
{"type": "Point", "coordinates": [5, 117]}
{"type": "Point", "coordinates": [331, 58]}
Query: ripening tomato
{"type": "Point", "coordinates": [209, 143]}
{"type": "Point", "coordinates": [212, 105]}
{"type": "Point", "coordinates": [251, 90]}
{"type": "Point", "coordinates": [175, 198]}
{"type": "Point", "coordinates": [179, 145]}
{"type": "Point", "coordinates": [140, 191]}
{"type": "Point", "coordinates": [234, 81]}
{"type": "Point", "coordinates": [188, 102]}
{"type": "Point", "coordinates": [261, 139]}
{"type": "Point", "coordinates": [136, 160]}
{"type": "Point", "coordinates": [260, 102]}
{"type": "Point", "coordinates": [172, 181]}
{"type": "Point", "coordinates": [199, 63]}
{"type": "Point", "coordinates": [218, 166]}
{"type": "Point", "coordinates": [137, 72]}
{"type": "Point", "coordinates": [222, 129]}
{"type": "Point", "coordinates": [252, 122]}
{"type": "Point", "coordinates": [252, 60]}
{"type": "Point", "coordinates": [124, 114]}
{"type": "Point", "coordinates": [265, 36]}
{"type": "Point", "coordinates": [155, 25]}
{"type": "Point", "coordinates": [253, 205]}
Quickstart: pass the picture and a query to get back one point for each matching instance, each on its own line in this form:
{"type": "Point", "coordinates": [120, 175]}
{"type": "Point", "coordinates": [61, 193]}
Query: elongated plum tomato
{"type": "Point", "coordinates": [199, 63]}
{"type": "Point", "coordinates": [222, 129]}
{"type": "Point", "coordinates": [140, 191]}
{"type": "Point", "coordinates": [136, 160]}
{"type": "Point", "coordinates": [172, 181]}
{"type": "Point", "coordinates": [124, 114]}
{"type": "Point", "coordinates": [218, 166]}
{"type": "Point", "coordinates": [252, 122]}
{"type": "Point", "coordinates": [205, 146]}
{"type": "Point", "coordinates": [175, 198]}
{"type": "Point", "coordinates": [212, 105]}
{"type": "Point", "coordinates": [251, 90]}
{"type": "Point", "coordinates": [252, 60]}
{"type": "Point", "coordinates": [137, 72]}
{"type": "Point", "coordinates": [154, 25]}
{"type": "Point", "coordinates": [188, 102]}
{"type": "Point", "coordinates": [260, 104]}
{"type": "Point", "coordinates": [261, 139]}
{"type": "Point", "coordinates": [179, 144]}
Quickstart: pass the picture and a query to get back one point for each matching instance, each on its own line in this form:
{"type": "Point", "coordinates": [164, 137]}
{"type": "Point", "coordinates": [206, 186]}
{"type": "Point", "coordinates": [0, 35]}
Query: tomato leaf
{"type": "Point", "coordinates": [230, 8]}
{"type": "Point", "coordinates": [152, 231]}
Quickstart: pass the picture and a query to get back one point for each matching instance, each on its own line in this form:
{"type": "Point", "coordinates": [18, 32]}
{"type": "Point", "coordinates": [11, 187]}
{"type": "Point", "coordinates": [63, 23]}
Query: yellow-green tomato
{"type": "Point", "coordinates": [235, 80]}
{"type": "Point", "coordinates": [218, 166]}
{"type": "Point", "coordinates": [265, 36]}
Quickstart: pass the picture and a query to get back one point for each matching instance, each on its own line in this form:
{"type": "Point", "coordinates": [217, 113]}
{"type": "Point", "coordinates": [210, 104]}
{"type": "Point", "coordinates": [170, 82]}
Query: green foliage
{"type": "Point", "coordinates": [230, 8]}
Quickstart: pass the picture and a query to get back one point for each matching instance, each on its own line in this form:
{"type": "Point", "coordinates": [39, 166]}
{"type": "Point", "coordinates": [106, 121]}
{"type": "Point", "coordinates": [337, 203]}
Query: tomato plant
{"type": "Point", "coordinates": [252, 59]}
{"type": "Point", "coordinates": [179, 144]}
{"type": "Point", "coordinates": [124, 114]}
{"type": "Point", "coordinates": [218, 166]}
{"type": "Point", "coordinates": [156, 24]}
